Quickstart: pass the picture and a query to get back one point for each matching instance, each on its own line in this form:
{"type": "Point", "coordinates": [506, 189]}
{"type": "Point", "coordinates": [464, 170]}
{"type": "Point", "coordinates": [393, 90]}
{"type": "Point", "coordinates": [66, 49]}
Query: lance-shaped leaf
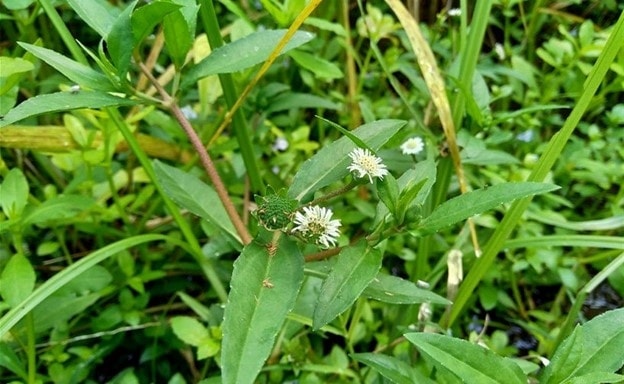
{"type": "Point", "coordinates": [596, 346]}
{"type": "Point", "coordinates": [394, 290]}
{"type": "Point", "coordinates": [330, 163]}
{"type": "Point", "coordinates": [263, 289]}
{"type": "Point", "coordinates": [468, 361]}
{"type": "Point", "coordinates": [243, 53]}
{"type": "Point", "coordinates": [62, 101]}
{"type": "Point", "coordinates": [355, 267]}
{"type": "Point", "coordinates": [472, 203]}
{"type": "Point", "coordinates": [73, 70]}
{"type": "Point", "coordinates": [99, 15]}
{"type": "Point", "coordinates": [392, 368]}
{"type": "Point", "coordinates": [193, 194]}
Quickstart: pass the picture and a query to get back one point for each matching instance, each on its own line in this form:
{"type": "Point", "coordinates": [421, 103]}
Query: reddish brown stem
{"type": "Point", "coordinates": [204, 158]}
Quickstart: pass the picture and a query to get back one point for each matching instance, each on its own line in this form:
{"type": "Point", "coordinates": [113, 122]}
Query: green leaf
{"type": "Point", "coordinates": [14, 193]}
{"type": "Point", "coordinates": [321, 68]}
{"type": "Point", "coordinates": [392, 368]}
{"type": "Point", "coordinates": [356, 266]}
{"type": "Point", "coordinates": [9, 319]}
{"type": "Point", "coordinates": [191, 193]}
{"type": "Point", "coordinates": [120, 41]}
{"type": "Point", "coordinates": [388, 190]}
{"type": "Point", "coordinates": [289, 100]}
{"type": "Point", "coordinates": [394, 290]}
{"type": "Point", "coordinates": [17, 280]}
{"type": "Point", "coordinates": [596, 378]}
{"type": "Point", "coordinates": [73, 70]}
{"type": "Point", "coordinates": [15, 5]}
{"type": "Point", "coordinates": [330, 163]}
{"type": "Point", "coordinates": [596, 346]}
{"type": "Point", "coordinates": [12, 69]}
{"type": "Point", "coordinates": [263, 290]}
{"type": "Point", "coordinates": [243, 53]}
{"type": "Point", "coordinates": [189, 330]}
{"type": "Point", "coordinates": [99, 15]}
{"type": "Point", "coordinates": [62, 101]}
{"type": "Point", "coordinates": [145, 18]}
{"type": "Point", "coordinates": [179, 33]}
{"type": "Point", "coordinates": [10, 361]}
{"type": "Point", "coordinates": [469, 362]}
{"type": "Point", "coordinates": [58, 208]}
{"type": "Point", "coordinates": [472, 203]}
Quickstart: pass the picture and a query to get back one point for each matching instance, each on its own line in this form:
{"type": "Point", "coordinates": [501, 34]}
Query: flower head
{"type": "Point", "coordinates": [366, 164]}
{"type": "Point", "coordinates": [315, 222]}
{"type": "Point", "coordinates": [413, 146]}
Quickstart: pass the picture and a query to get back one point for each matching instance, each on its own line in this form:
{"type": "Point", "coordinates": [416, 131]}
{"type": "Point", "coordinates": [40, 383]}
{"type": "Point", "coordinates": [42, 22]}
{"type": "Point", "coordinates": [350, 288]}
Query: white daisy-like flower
{"type": "Point", "coordinates": [315, 222]}
{"type": "Point", "coordinates": [413, 146]}
{"type": "Point", "coordinates": [366, 164]}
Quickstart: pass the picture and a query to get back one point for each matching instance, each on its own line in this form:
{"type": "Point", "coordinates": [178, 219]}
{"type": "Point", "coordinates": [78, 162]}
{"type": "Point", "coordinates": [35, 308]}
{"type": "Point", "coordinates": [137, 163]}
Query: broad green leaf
{"type": "Point", "coordinates": [600, 341]}
{"type": "Point", "coordinates": [356, 266]}
{"type": "Point", "coordinates": [179, 33]}
{"type": "Point", "coordinates": [243, 53]}
{"type": "Point", "coordinates": [330, 163]}
{"type": "Point", "coordinates": [17, 280]}
{"type": "Point", "coordinates": [14, 193]}
{"type": "Point", "coordinates": [291, 100]}
{"type": "Point", "coordinates": [145, 18]}
{"type": "Point", "coordinates": [263, 290]}
{"type": "Point", "coordinates": [56, 282]}
{"type": "Point", "coordinates": [62, 101]}
{"type": "Point", "coordinates": [120, 41]}
{"type": "Point", "coordinates": [193, 194]}
{"type": "Point", "coordinates": [472, 203]}
{"type": "Point", "coordinates": [392, 368]}
{"type": "Point", "coordinates": [320, 67]}
{"type": "Point", "coordinates": [394, 290]}
{"type": "Point", "coordinates": [12, 70]}
{"type": "Point", "coordinates": [473, 364]}
{"type": "Point", "coordinates": [73, 70]}
{"type": "Point", "coordinates": [99, 15]}
{"type": "Point", "coordinates": [10, 361]}
{"type": "Point", "coordinates": [189, 330]}
{"type": "Point", "coordinates": [15, 5]}
{"type": "Point", "coordinates": [58, 208]}
{"type": "Point", "coordinates": [596, 378]}
{"type": "Point", "coordinates": [388, 191]}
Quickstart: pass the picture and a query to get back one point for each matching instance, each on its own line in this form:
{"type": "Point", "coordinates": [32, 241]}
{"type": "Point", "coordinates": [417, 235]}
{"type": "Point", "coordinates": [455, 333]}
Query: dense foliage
{"type": "Point", "coordinates": [302, 191]}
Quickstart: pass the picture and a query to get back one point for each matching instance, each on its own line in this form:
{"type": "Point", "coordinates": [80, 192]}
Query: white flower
{"type": "Point", "coordinates": [413, 146]}
{"type": "Point", "coordinates": [366, 164]}
{"type": "Point", "coordinates": [500, 51]}
{"type": "Point", "coordinates": [454, 12]}
{"type": "Point", "coordinates": [189, 112]}
{"type": "Point", "coordinates": [315, 222]}
{"type": "Point", "coordinates": [280, 144]}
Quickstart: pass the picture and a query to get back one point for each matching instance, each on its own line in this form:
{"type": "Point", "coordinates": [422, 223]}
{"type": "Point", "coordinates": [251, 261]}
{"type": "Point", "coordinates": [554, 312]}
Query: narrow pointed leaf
{"type": "Point", "coordinates": [73, 70]}
{"type": "Point", "coordinates": [394, 290]}
{"type": "Point", "coordinates": [471, 363]}
{"type": "Point", "coordinates": [243, 53]}
{"type": "Point", "coordinates": [356, 266]}
{"type": "Point", "coordinates": [97, 14]}
{"type": "Point", "coordinates": [120, 41]}
{"type": "Point", "coordinates": [472, 203]}
{"type": "Point", "coordinates": [191, 193]}
{"type": "Point", "coordinates": [393, 369]}
{"type": "Point", "coordinates": [145, 18]}
{"type": "Point", "coordinates": [263, 290]}
{"type": "Point", "coordinates": [62, 101]}
{"type": "Point", "coordinates": [330, 163]}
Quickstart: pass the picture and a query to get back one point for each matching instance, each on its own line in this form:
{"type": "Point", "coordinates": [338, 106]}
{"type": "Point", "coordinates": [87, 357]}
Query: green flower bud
{"type": "Point", "coordinates": [275, 211]}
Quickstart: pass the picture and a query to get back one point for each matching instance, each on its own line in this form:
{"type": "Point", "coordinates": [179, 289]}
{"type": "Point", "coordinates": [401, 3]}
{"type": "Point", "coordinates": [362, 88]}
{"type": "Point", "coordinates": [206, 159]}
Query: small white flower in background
{"type": "Point", "coordinates": [315, 222]}
{"type": "Point", "coordinates": [366, 164]}
{"type": "Point", "coordinates": [74, 88]}
{"type": "Point", "coordinates": [280, 144]}
{"type": "Point", "coordinates": [500, 51]}
{"type": "Point", "coordinates": [454, 12]}
{"type": "Point", "coordinates": [189, 112]}
{"type": "Point", "coordinates": [413, 146]}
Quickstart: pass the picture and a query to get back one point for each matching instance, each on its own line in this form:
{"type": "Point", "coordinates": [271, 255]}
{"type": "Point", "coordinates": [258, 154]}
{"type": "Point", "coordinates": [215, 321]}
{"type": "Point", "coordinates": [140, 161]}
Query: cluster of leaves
{"type": "Point", "coordinates": [116, 254]}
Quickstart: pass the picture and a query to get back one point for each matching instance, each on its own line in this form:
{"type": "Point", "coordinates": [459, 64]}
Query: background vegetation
{"type": "Point", "coordinates": [137, 167]}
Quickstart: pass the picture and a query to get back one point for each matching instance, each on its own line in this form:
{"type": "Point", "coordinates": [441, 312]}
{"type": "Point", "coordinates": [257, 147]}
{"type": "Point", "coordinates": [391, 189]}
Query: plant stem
{"type": "Point", "coordinates": [204, 158]}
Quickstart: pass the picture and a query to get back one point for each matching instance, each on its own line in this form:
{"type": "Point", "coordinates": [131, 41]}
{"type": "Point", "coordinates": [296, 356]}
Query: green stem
{"type": "Point", "coordinates": [30, 348]}
{"type": "Point", "coordinates": [61, 28]}
{"type": "Point", "coordinates": [211, 27]}
{"type": "Point", "coordinates": [184, 226]}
